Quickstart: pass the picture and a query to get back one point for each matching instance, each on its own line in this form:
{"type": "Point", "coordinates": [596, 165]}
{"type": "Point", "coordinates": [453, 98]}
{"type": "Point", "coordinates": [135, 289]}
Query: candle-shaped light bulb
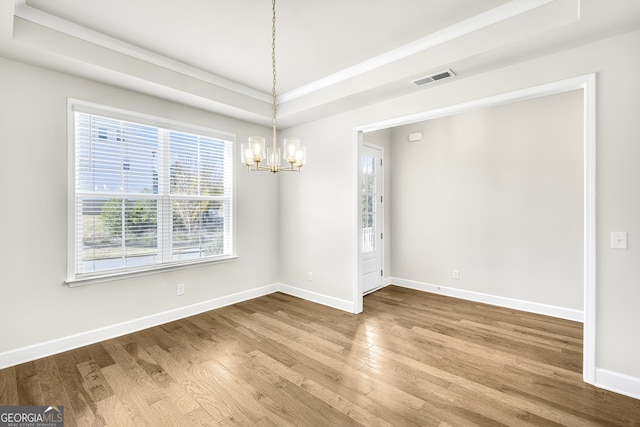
{"type": "Point", "coordinates": [300, 156]}
{"type": "Point", "coordinates": [257, 148]}
{"type": "Point", "coordinates": [291, 147]}
{"type": "Point", "coordinates": [247, 154]}
{"type": "Point", "coordinates": [273, 157]}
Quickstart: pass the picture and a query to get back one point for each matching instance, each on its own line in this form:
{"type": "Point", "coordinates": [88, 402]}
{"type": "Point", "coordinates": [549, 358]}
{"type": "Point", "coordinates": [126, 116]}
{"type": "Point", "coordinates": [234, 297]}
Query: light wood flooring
{"type": "Point", "coordinates": [411, 359]}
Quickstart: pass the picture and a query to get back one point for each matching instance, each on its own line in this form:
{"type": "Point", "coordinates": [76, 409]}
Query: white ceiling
{"type": "Point", "coordinates": [331, 54]}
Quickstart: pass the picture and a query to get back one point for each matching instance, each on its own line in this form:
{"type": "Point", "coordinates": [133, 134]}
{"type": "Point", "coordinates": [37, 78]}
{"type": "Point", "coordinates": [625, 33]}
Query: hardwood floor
{"type": "Point", "coordinates": [411, 358]}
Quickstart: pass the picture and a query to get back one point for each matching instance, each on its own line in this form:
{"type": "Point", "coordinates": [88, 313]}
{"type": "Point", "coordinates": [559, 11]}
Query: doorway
{"type": "Point", "coordinates": [586, 83]}
{"type": "Point", "coordinates": [371, 164]}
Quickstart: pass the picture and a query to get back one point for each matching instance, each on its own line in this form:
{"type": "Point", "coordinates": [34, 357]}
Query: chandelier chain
{"type": "Point", "coordinates": [253, 153]}
{"type": "Point", "coordinates": [273, 63]}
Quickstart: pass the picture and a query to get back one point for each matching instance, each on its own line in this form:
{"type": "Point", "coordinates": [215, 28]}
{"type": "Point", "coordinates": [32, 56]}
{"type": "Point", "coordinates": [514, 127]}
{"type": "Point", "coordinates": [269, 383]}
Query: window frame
{"type": "Point", "coordinates": [76, 279]}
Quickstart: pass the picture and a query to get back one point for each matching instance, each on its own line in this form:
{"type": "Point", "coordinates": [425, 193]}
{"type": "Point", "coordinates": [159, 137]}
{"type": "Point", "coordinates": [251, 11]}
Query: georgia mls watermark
{"type": "Point", "coordinates": [31, 416]}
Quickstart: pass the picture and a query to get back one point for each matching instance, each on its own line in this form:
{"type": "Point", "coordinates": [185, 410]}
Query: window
{"type": "Point", "coordinates": [146, 193]}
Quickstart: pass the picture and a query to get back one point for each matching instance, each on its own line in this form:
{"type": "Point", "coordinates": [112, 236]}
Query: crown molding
{"type": "Point", "coordinates": [74, 30]}
{"type": "Point", "coordinates": [484, 20]}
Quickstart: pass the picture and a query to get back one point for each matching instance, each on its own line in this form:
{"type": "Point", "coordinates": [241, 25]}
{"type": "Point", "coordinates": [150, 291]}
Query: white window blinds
{"type": "Point", "coordinates": [147, 196]}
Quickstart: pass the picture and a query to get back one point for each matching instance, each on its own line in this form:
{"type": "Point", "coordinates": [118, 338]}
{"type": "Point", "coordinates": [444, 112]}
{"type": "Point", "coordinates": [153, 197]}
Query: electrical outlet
{"type": "Point", "coordinates": [455, 274]}
{"type": "Point", "coordinates": [310, 276]}
{"type": "Point", "coordinates": [180, 289]}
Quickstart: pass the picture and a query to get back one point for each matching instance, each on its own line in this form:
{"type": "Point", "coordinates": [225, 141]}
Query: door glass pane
{"type": "Point", "coordinates": [369, 194]}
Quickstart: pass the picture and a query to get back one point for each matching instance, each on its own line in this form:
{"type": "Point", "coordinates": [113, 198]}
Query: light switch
{"type": "Point", "coordinates": [618, 240]}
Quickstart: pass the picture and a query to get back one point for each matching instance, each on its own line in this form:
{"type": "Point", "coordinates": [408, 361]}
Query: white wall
{"type": "Point", "coordinates": [325, 240]}
{"type": "Point", "coordinates": [36, 305]}
{"type": "Point", "coordinates": [316, 212]}
{"type": "Point", "coordinates": [496, 194]}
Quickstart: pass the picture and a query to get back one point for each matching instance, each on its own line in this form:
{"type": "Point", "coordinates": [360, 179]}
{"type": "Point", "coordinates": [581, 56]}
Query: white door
{"type": "Point", "coordinates": [372, 221]}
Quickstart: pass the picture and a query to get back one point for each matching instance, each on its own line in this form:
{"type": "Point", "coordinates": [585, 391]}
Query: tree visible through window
{"type": "Point", "coordinates": [147, 196]}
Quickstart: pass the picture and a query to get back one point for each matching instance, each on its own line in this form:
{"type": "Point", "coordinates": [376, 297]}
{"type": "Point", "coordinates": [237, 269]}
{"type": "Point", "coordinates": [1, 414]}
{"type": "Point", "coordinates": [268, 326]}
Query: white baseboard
{"type": "Point", "coordinates": [533, 307]}
{"type": "Point", "coordinates": [48, 348]}
{"type": "Point", "coordinates": [618, 383]}
{"type": "Point", "coordinates": [340, 304]}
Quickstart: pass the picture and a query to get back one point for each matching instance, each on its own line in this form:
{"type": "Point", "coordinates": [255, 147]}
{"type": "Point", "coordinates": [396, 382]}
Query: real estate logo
{"type": "Point", "coordinates": [31, 416]}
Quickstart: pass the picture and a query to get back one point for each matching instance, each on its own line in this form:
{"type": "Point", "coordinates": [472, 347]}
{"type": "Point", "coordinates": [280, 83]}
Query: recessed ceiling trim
{"type": "Point", "coordinates": [486, 19]}
{"type": "Point", "coordinates": [61, 25]}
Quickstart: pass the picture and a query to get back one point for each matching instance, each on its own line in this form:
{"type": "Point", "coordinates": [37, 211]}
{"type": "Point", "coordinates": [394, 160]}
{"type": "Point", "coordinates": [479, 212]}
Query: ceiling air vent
{"type": "Point", "coordinates": [433, 77]}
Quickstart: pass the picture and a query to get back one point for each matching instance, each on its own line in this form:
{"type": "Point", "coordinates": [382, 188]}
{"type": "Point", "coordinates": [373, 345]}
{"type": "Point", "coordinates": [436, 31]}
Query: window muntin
{"type": "Point", "coordinates": [147, 196]}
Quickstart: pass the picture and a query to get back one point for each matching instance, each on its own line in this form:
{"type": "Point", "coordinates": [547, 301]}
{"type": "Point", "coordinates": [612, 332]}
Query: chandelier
{"type": "Point", "coordinates": [254, 153]}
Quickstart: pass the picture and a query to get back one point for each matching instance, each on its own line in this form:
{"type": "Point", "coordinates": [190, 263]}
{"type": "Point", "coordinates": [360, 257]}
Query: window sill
{"type": "Point", "coordinates": [126, 274]}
